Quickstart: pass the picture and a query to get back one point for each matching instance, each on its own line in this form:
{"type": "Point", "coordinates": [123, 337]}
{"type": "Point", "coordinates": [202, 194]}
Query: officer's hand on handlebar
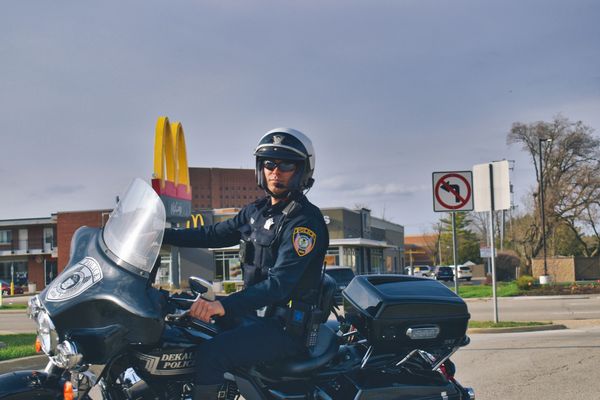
{"type": "Point", "coordinates": [204, 310]}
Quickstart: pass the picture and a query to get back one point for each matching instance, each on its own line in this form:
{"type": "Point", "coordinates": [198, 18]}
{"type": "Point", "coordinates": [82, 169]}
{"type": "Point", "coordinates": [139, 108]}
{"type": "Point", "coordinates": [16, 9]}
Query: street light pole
{"type": "Point", "coordinates": [542, 211]}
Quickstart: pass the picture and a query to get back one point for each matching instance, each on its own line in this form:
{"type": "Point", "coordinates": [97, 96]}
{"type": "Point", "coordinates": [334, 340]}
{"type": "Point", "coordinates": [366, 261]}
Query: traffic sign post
{"type": "Point", "coordinates": [493, 193]}
{"type": "Point", "coordinates": [452, 192]}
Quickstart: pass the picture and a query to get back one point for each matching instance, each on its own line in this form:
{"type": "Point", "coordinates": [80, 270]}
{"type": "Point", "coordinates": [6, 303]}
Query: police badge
{"type": "Point", "coordinates": [303, 240]}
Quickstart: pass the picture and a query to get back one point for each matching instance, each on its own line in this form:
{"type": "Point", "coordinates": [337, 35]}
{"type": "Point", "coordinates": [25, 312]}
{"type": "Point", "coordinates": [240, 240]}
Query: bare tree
{"type": "Point", "coordinates": [571, 171]}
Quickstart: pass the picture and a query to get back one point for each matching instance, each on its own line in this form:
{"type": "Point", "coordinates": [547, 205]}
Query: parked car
{"type": "Point", "coordinates": [6, 288]}
{"type": "Point", "coordinates": [464, 272]}
{"type": "Point", "coordinates": [425, 271]}
{"type": "Point", "coordinates": [342, 276]}
{"type": "Point", "coordinates": [444, 274]}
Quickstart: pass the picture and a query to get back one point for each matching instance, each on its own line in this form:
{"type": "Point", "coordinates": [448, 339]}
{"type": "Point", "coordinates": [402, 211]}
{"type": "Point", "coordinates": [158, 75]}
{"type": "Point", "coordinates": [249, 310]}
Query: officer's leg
{"type": "Point", "coordinates": [262, 340]}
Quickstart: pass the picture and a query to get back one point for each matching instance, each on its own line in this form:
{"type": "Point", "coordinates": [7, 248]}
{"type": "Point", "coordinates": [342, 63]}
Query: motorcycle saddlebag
{"type": "Point", "coordinates": [401, 313]}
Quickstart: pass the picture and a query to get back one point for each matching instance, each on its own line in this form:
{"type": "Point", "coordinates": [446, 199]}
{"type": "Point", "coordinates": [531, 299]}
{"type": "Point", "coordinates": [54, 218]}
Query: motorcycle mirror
{"type": "Point", "coordinates": [202, 287]}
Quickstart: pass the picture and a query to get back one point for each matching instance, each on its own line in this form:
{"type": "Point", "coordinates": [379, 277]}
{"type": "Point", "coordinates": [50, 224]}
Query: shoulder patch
{"type": "Point", "coordinates": [303, 240]}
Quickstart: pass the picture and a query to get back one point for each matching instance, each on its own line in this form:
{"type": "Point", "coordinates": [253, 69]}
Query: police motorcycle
{"type": "Point", "coordinates": [109, 334]}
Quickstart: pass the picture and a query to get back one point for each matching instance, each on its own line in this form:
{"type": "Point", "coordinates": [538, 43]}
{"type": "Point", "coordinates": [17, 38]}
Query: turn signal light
{"type": "Point", "coordinates": [38, 345]}
{"type": "Point", "coordinates": [68, 391]}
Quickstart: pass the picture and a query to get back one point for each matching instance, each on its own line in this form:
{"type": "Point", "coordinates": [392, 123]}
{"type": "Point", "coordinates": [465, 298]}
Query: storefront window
{"type": "Point", "coordinates": [19, 271]}
{"type": "Point", "coordinates": [333, 256]}
{"type": "Point", "coordinates": [376, 261]}
{"type": "Point", "coordinates": [162, 275]}
{"type": "Point", "coordinates": [350, 257]}
{"type": "Point", "coordinates": [228, 267]}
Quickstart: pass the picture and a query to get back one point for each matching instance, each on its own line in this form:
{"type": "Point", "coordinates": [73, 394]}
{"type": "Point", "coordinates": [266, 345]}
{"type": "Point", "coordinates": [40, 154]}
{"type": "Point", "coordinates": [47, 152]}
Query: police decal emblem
{"type": "Point", "coordinates": [303, 240]}
{"type": "Point", "coordinates": [75, 280]}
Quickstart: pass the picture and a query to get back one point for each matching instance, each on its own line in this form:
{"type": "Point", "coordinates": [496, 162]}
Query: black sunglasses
{"type": "Point", "coordinates": [284, 166]}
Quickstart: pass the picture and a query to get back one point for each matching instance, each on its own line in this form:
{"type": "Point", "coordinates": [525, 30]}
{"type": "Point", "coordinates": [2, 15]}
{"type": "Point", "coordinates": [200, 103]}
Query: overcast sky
{"type": "Point", "coordinates": [389, 91]}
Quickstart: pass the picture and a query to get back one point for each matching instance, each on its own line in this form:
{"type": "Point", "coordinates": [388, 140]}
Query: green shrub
{"type": "Point", "coordinates": [229, 287]}
{"type": "Point", "coordinates": [525, 282]}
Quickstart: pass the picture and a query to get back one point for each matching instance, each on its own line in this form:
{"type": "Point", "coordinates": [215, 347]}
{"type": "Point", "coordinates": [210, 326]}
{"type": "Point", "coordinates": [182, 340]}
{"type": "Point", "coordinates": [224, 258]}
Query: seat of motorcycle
{"type": "Point", "coordinates": [326, 348]}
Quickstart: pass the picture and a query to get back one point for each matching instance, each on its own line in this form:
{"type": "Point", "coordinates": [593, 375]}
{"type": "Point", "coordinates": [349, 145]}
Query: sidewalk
{"type": "Point", "coordinates": [558, 297]}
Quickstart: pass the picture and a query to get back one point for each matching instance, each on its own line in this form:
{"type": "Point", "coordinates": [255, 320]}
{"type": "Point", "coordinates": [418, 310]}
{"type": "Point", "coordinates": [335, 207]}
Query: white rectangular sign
{"type": "Point", "coordinates": [452, 191]}
{"type": "Point", "coordinates": [485, 252]}
{"type": "Point", "coordinates": [501, 185]}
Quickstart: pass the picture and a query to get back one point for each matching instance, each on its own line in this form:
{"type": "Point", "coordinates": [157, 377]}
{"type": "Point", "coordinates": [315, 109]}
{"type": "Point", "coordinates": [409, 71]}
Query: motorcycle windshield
{"type": "Point", "coordinates": [135, 229]}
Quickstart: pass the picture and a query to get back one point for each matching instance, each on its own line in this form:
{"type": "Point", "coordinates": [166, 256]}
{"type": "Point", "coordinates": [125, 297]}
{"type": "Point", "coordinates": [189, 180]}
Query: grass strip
{"type": "Point", "coordinates": [17, 346]}
{"type": "Point", "coordinates": [503, 290]}
{"type": "Point", "coordinates": [505, 324]}
{"type": "Point", "coordinates": [13, 306]}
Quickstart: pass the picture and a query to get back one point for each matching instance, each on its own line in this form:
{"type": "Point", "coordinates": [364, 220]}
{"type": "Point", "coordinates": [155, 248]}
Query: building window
{"type": "Point", "coordinates": [49, 239]}
{"type": "Point", "coordinates": [162, 275]}
{"type": "Point", "coordinates": [350, 257]}
{"type": "Point", "coordinates": [5, 237]}
{"type": "Point", "coordinates": [332, 257]}
{"type": "Point", "coordinates": [16, 270]}
{"type": "Point", "coordinates": [228, 267]}
{"type": "Point", "coordinates": [376, 261]}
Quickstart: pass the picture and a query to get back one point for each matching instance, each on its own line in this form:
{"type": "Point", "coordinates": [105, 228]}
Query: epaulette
{"type": "Point", "coordinates": [292, 209]}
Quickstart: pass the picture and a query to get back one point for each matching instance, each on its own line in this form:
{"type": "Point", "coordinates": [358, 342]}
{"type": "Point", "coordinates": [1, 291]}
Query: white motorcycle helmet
{"type": "Point", "coordinates": [290, 145]}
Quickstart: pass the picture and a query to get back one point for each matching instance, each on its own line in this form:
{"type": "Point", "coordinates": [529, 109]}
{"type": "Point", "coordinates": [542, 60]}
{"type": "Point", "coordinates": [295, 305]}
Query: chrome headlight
{"type": "Point", "coordinates": [67, 355]}
{"type": "Point", "coordinates": [46, 332]}
{"type": "Point", "coordinates": [34, 306]}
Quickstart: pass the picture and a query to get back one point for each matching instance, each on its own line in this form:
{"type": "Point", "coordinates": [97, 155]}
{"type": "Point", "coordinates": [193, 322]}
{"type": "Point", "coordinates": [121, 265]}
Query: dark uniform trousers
{"type": "Point", "coordinates": [254, 340]}
{"type": "Point", "coordinates": [287, 244]}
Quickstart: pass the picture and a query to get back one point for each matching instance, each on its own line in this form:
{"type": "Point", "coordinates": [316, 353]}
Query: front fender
{"type": "Point", "coordinates": [26, 385]}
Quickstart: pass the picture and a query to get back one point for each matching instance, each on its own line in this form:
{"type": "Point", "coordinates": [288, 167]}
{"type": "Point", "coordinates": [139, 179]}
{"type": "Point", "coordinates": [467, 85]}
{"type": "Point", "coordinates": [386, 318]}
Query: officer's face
{"type": "Point", "coordinates": [278, 176]}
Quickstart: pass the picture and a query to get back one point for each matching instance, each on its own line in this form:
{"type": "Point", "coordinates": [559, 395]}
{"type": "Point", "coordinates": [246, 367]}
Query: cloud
{"type": "Point", "coordinates": [63, 189]}
{"type": "Point", "coordinates": [347, 185]}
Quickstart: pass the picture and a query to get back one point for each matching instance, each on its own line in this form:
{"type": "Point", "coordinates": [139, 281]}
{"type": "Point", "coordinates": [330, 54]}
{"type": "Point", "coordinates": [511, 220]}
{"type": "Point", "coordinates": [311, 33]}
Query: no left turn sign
{"type": "Point", "coordinates": [452, 191]}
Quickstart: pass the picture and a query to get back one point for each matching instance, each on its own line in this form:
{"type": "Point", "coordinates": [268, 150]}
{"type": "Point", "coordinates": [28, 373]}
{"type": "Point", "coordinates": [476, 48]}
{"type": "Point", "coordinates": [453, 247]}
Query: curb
{"type": "Point", "coordinates": [15, 311]}
{"type": "Point", "coordinates": [557, 297]}
{"type": "Point", "coordinates": [17, 364]}
{"type": "Point", "coordinates": [552, 327]}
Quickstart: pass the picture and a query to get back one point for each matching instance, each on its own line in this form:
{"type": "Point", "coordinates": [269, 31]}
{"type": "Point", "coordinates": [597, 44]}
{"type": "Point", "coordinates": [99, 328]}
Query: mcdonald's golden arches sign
{"type": "Point", "coordinates": [171, 179]}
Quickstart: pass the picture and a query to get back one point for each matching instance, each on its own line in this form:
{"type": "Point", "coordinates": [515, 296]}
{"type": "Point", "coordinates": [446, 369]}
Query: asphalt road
{"type": "Point", "coordinates": [550, 365]}
{"type": "Point", "coordinates": [543, 308]}
{"type": "Point", "coordinates": [15, 322]}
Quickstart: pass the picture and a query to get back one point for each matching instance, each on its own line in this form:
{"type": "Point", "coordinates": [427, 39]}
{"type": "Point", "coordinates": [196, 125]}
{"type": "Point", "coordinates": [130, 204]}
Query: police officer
{"type": "Point", "coordinates": [283, 240]}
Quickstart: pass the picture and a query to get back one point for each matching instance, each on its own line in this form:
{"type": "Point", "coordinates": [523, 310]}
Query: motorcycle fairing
{"type": "Point", "coordinates": [117, 297]}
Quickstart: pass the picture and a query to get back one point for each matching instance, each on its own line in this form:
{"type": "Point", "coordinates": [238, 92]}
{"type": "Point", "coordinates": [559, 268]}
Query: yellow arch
{"type": "Point", "coordinates": [194, 222]}
{"type": "Point", "coordinates": [170, 155]}
{"type": "Point", "coordinates": [182, 175]}
{"type": "Point", "coordinates": [163, 152]}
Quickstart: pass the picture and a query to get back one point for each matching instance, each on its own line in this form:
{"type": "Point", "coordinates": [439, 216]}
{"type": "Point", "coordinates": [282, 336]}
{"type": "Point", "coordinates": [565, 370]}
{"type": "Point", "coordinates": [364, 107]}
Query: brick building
{"type": "Point", "coordinates": [68, 222]}
{"type": "Point", "coordinates": [28, 251]}
{"type": "Point", "coordinates": [422, 249]}
{"type": "Point", "coordinates": [223, 188]}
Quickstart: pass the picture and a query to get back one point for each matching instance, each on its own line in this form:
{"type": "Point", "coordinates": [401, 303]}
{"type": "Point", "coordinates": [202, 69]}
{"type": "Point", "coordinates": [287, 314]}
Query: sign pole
{"type": "Point", "coordinates": [492, 244]}
{"type": "Point", "coordinates": [455, 251]}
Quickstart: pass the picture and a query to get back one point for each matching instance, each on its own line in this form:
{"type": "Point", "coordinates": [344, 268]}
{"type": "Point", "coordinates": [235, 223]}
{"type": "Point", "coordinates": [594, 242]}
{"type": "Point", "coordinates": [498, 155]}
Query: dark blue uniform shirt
{"type": "Point", "coordinates": [289, 241]}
